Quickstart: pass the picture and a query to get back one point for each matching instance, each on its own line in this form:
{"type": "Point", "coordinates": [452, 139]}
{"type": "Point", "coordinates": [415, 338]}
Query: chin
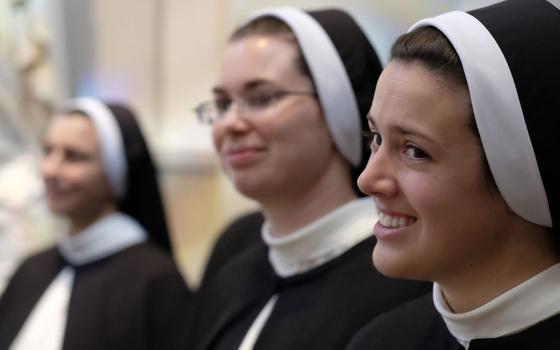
{"type": "Point", "coordinates": [249, 186]}
{"type": "Point", "coordinates": [396, 265]}
{"type": "Point", "coordinates": [60, 207]}
{"type": "Point", "coordinates": [60, 213]}
{"type": "Point", "coordinates": [54, 206]}
{"type": "Point", "coordinates": [58, 210]}
{"type": "Point", "coordinates": [252, 192]}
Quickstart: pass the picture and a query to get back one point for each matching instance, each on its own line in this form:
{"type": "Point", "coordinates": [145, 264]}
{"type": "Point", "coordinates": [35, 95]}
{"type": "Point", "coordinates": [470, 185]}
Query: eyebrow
{"type": "Point", "coordinates": [218, 90]}
{"type": "Point", "coordinates": [252, 84]}
{"type": "Point", "coordinates": [403, 130]}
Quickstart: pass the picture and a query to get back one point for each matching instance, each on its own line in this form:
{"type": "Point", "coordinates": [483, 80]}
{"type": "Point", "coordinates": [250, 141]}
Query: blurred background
{"type": "Point", "coordinates": [161, 57]}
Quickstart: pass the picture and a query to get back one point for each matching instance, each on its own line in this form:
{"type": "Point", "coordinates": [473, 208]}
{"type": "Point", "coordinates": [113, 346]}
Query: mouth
{"type": "Point", "coordinates": [55, 189]}
{"type": "Point", "coordinates": [395, 221]}
{"type": "Point", "coordinates": [54, 194]}
{"type": "Point", "coordinates": [242, 156]}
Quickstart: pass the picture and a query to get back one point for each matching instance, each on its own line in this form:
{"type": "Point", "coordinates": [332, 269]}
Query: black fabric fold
{"type": "Point", "coordinates": [334, 300]}
{"type": "Point", "coordinates": [134, 299]}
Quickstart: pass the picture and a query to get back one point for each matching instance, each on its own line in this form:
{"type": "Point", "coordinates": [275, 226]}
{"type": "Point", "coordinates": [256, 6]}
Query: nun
{"type": "Point", "coordinates": [464, 135]}
{"type": "Point", "coordinates": [110, 282]}
{"type": "Point", "coordinates": [287, 114]}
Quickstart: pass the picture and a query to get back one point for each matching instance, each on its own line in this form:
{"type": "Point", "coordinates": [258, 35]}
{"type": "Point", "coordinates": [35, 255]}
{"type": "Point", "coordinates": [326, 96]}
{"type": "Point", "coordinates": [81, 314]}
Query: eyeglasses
{"type": "Point", "coordinates": [212, 111]}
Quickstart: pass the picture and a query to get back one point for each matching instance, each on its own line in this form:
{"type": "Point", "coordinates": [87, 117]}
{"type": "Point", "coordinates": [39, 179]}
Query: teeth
{"type": "Point", "coordinates": [394, 221]}
{"type": "Point", "coordinates": [385, 220]}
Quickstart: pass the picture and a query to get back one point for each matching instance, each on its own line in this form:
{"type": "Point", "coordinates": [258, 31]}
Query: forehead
{"type": "Point", "coordinates": [73, 130]}
{"type": "Point", "coordinates": [408, 93]}
{"type": "Point", "coordinates": [260, 58]}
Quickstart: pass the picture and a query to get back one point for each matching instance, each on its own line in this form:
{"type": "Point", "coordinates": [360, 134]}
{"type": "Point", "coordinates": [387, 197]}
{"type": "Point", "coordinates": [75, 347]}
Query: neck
{"type": "Point", "coordinates": [529, 251]}
{"type": "Point", "coordinates": [81, 221]}
{"type": "Point", "coordinates": [292, 210]}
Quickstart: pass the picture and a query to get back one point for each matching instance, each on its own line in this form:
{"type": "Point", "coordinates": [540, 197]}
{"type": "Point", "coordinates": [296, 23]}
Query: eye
{"type": "Point", "coordinates": [260, 99]}
{"type": "Point", "coordinates": [47, 149]}
{"type": "Point", "coordinates": [373, 139]}
{"type": "Point", "coordinates": [415, 153]}
{"type": "Point", "coordinates": [222, 104]}
{"type": "Point", "coordinates": [75, 156]}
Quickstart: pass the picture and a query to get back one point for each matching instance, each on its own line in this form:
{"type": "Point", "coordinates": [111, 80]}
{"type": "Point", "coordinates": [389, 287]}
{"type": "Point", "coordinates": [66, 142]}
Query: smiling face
{"type": "Point", "coordinates": [280, 149]}
{"type": "Point", "coordinates": [438, 216]}
{"type": "Point", "coordinates": [76, 185]}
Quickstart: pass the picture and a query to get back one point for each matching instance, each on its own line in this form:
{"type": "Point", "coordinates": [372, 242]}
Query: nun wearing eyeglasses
{"type": "Point", "coordinates": [293, 89]}
{"type": "Point", "coordinates": [110, 282]}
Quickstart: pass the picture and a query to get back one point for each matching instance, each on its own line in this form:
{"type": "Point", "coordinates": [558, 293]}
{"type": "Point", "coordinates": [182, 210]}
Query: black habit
{"type": "Point", "coordinates": [318, 309]}
{"type": "Point", "coordinates": [236, 238]}
{"type": "Point", "coordinates": [134, 299]}
{"type": "Point", "coordinates": [417, 325]}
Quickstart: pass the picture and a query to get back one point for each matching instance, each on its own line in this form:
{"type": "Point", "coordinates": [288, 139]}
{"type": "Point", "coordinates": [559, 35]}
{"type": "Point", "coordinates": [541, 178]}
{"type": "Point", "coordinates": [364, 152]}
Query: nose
{"type": "Point", "coordinates": [50, 165]}
{"type": "Point", "coordinates": [378, 178]}
{"type": "Point", "coordinates": [233, 119]}
{"type": "Point", "coordinates": [232, 125]}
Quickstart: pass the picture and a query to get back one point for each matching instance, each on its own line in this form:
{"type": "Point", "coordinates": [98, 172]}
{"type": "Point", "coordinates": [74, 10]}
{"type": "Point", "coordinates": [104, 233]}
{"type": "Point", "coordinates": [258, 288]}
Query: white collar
{"type": "Point", "coordinates": [322, 240]}
{"type": "Point", "coordinates": [517, 309]}
{"type": "Point", "coordinates": [103, 238]}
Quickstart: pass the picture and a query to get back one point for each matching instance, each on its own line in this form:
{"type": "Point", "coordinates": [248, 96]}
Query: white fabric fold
{"type": "Point", "coordinates": [322, 240]}
{"type": "Point", "coordinates": [498, 113]}
{"type": "Point", "coordinates": [523, 306]}
{"type": "Point", "coordinates": [44, 328]}
{"type": "Point", "coordinates": [105, 237]}
{"type": "Point", "coordinates": [331, 79]}
{"type": "Point", "coordinates": [253, 334]}
{"type": "Point", "coordinates": [109, 138]}
{"type": "Point", "coordinates": [556, 3]}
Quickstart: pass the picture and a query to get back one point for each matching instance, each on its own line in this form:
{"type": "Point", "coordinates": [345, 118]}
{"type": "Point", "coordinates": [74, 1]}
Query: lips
{"type": "Point", "coordinates": [54, 188]}
{"type": "Point", "coordinates": [238, 157]}
{"type": "Point", "coordinates": [54, 193]}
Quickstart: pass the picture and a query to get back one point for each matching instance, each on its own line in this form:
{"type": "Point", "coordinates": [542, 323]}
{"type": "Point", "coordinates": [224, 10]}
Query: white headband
{"type": "Point", "coordinates": [498, 114]}
{"type": "Point", "coordinates": [330, 77]}
{"type": "Point", "coordinates": [109, 138]}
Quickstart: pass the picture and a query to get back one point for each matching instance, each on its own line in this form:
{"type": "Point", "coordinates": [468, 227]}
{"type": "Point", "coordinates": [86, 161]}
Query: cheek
{"type": "Point", "coordinates": [445, 207]}
{"type": "Point", "coordinates": [423, 191]}
{"type": "Point", "coordinates": [90, 179]}
{"type": "Point", "coordinates": [305, 132]}
{"type": "Point", "coordinates": [444, 191]}
{"type": "Point", "coordinates": [100, 190]}
{"type": "Point", "coordinates": [73, 177]}
{"type": "Point", "coordinates": [451, 207]}
{"type": "Point", "coordinates": [310, 148]}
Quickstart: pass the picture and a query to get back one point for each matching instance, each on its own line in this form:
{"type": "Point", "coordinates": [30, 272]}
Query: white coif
{"type": "Point", "coordinates": [109, 138]}
{"type": "Point", "coordinates": [498, 114]}
{"type": "Point", "coordinates": [330, 77]}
